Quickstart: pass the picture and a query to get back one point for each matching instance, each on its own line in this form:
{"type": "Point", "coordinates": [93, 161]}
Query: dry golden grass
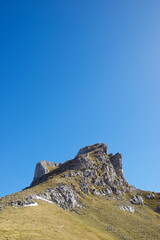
{"type": "Point", "coordinates": [46, 222]}
{"type": "Point", "coordinates": [100, 220]}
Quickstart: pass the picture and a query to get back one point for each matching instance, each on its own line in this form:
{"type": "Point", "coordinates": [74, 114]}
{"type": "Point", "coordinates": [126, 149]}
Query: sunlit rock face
{"type": "Point", "coordinates": [94, 170]}
{"type": "Point", "coordinates": [42, 168]}
{"type": "Point", "coordinates": [94, 165]}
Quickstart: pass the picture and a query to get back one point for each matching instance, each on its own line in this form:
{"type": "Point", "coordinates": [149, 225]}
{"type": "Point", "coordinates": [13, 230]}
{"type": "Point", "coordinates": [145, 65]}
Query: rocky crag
{"type": "Point", "coordinates": [92, 172]}
{"type": "Point", "coordinates": [42, 168]}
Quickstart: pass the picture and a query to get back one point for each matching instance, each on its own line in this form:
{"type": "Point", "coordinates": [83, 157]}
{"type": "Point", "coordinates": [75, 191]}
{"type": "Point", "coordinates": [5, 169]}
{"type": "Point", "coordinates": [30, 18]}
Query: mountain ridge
{"type": "Point", "coordinates": [93, 178]}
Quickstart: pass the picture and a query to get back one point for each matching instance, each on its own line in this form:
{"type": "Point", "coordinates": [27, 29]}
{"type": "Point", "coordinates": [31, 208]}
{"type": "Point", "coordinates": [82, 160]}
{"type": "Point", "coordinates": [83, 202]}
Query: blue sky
{"type": "Point", "coordinates": [74, 73]}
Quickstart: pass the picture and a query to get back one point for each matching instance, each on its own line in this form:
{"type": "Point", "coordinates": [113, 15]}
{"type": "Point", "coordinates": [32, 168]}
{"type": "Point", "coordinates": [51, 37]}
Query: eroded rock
{"type": "Point", "coordinates": [127, 208]}
{"type": "Point", "coordinates": [157, 209]}
{"type": "Point", "coordinates": [138, 200]}
{"type": "Point", "coordinates": [42, 168]}
{"type": "Point", "coordinates": [63, 196]}
{"type": "Point", "coordinates": [150, 196]}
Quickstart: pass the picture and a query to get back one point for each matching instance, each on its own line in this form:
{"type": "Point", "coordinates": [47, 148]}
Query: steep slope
{"type": "Point", "coordinates": [84, 198]}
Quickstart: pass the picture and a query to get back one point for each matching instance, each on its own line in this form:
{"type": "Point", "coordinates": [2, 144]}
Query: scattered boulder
{"type": "Point", "coordinates": [106, 191]}
{"type": "Point", "coordinates": [157, 209]}
{"type": "Point", "coordinates": [127, 208]}
{"type": "Point", "coordinates": [117, 191]}
{"type": "Point", "coordinates": [23, 203]}
{"type": "Point", "coordinates": [111, 228]}
{"type": "Point", "coordinates": [138, 200]}
{"type": "Point", "coordinates": [150, 196]}
{"type": "Point", "coordinates": [95, 192]}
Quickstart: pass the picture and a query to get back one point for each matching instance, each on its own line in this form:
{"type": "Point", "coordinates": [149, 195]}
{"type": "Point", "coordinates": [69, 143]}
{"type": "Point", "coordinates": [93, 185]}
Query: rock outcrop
{"type": "Point", "coordinates": [150, 196]}
{"type": "Point", "coordinates": [63, 196]}
{"type": "Point", "coordinates": [99, 173]}
{"type": "Point", "coordinates": [127, 208]}
{"type": "Point", "coordinates": [42, 168]}
{"type": "Point", "coordinates": [92, 172]}
{"type": "Point", "coordinates": [138, 200]}
{"type": "Point", "coordinates": [93, 163]}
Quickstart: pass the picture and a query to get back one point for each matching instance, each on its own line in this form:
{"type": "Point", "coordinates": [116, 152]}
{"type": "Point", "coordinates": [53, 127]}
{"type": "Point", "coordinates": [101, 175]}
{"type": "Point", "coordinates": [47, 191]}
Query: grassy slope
{"type": "Point", "coordinates": [101, 219]}
{"type": "Point", "coordinates": [46, 222]}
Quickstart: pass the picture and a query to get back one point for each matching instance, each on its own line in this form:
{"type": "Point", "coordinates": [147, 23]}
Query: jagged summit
{"type": "Point", "coordinates": [104, 168]}
{"type": "Point", "coordinates": [99, 147]}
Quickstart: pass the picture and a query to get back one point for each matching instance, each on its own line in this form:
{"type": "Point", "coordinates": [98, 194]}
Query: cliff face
{"type": "Point", "coordinates": [99, 172]}
{"type": "Point", "coordinates": [103, 167]}
{"type": "Point", "coordinates": [42, 168]}
{"type": "Point", "coordinates": [92, 172]}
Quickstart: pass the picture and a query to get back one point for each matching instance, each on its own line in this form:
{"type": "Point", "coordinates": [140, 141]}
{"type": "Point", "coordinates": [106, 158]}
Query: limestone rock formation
{"type": "Point", "coordinates": [138, 200]}
{"type": "Point", "coordinates": [99, 173]}
{"type": "Point", "coordinates": [150, 196]}
{"type": "Point", "coordinates": [42, 168]}
{"type": "Point", "coordinates": [98, 148]}
{"type": "Point", "coordinates": [127, 208]}
{"type": "Point", "coordinates": [63, 196]}
{"type": "Point", "coordinates": [92, 162]}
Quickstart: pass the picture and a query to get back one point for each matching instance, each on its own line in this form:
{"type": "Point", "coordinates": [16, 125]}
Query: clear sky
{"type": "Point", "coordinates": [74, 73]}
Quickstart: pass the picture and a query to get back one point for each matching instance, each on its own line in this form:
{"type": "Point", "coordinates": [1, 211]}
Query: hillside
{"type": "Point", "coordinates": [87, 197]}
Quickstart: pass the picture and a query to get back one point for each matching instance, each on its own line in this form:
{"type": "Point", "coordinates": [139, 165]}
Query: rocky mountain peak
{"type": "Point", "coordinates": [105, 169]}
{"type": "Point", "coordinates": [94, 170]}
{"type": "Point", "coordinates": [100, 148]}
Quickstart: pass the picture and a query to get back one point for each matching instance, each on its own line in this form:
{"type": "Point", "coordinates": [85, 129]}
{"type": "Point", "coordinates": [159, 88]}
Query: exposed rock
{"type": "Point", "coordinates": [98, 182]}
{"type": "Point", "coordinates": [89, 174]}
{"type": "Point", "coordinates": [42, 168]}
{"type": "Point", "coordinates": [150, 196]}
{"type": "Point", "coordinates": [106, 191]}
{"type": "Point", "coordinates": [95, 192]}
{"type": "Point", "coordinates": [116, 161]}
{"type": "Point", "coordinates": [98, 173]}
{"type": "Point", "coordinates": [84, 186]}
{"type": "Point", "coordinates": [93, 163]}
{"type": "Point", "coordinates": [157, 209]}
{"type": "Point", "coordinates": [117, 191]}
{"type": "Point", "coordinates": [78, 163]}
{"type": "Point", "coordinates": [127, 208]}
{"type": "Point", "coordinates": [111, 228]}
{"type": "Point", "coordinates": [23, 203]}
{"type": "Point", "coordinates": [63, 196]}
{"type": "Point", "coordinates": [99, 148]}
{"type": "Point", "coordinates": [73, 174]}
{"type": "Point", "coordinates": [138, 200]}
